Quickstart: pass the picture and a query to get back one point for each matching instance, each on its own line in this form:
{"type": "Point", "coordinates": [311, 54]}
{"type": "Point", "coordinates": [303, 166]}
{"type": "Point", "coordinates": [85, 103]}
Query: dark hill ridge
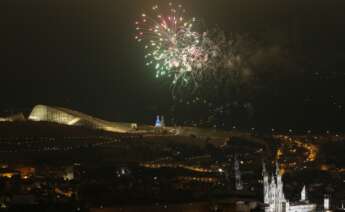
{"type": "Point", "coordinates": [46, 129]}
{"type": "Point", "coordinates": [50, 143]}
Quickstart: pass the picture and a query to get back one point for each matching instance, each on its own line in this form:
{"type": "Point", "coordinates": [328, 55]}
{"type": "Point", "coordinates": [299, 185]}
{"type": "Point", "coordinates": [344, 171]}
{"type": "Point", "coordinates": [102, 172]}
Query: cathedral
{"type": "Point", "coordinates": [274, 197]}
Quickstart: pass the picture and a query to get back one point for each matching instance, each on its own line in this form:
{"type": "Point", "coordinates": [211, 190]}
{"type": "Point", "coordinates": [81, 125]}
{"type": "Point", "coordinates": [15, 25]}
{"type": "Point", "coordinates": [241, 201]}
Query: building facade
{"type": "Point", "coordinates": [274, 197]}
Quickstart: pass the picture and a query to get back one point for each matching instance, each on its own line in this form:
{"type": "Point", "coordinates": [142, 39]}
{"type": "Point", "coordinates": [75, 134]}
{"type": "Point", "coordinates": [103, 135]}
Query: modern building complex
{"type": "Point", "coordinates": [73, 118]}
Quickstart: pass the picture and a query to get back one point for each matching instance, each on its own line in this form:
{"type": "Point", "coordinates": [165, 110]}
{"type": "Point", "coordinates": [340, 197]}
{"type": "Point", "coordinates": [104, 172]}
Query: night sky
{"type": "Point", "coordinates": [81, 54]}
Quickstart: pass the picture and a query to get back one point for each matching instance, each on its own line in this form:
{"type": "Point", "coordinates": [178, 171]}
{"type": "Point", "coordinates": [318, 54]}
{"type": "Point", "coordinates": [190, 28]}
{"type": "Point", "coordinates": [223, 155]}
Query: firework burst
{"type": "Point", "coordinates": [174, 48]}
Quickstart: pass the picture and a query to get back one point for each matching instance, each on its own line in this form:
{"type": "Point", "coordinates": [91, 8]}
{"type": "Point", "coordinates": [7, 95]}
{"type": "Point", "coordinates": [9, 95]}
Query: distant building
{"type": "Point", "coordinates": [342, 207]}
{"type": "Point", "coordinates": [238, 180]}
{"type": "Point", "coordinates": [273, 192]}
{"type": "Point", "coordinates": [326, 204]}
{"type": "Point", "coordinates": [162, 121]}
{"type": "Point", "coordinates": [68, 173]}
{"type": "Point", "coordinates": [274, 197]}
{"type": "Point", "coordinates": [69, 117]}
{"type": "Point", "coordinates": [158, 122]}
{"type": "Point", "coordinates": [26, 172]}
{"type": "Point", "coordinates": [8, 173]}
{"type": "Point", "coordinates": [14, 118]}
{"type": "Point", "coordinates": [134, 126]}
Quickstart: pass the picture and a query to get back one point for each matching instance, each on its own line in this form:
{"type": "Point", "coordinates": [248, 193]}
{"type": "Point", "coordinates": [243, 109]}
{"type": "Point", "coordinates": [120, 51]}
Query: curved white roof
{"type": "Point", "coordinates": [73, 118]}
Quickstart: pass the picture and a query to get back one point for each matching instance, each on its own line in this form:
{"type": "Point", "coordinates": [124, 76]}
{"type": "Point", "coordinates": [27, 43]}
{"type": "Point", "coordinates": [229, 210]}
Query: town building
{"type": "Point", "coordinates": [274, 197]}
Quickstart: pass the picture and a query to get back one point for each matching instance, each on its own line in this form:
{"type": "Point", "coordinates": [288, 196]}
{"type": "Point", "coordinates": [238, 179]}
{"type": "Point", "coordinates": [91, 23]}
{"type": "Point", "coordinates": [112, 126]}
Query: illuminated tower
{"type": "Point", "coordinates": [162, 121]}
{"type": "Point", "coordinates": [326, 204]}
{"type": "Point", "coordinates": [158, 122]}
{"type": "Point", "coordinates": [303, 195]}
{"type": "Point", "coordinates": [266, 183]}
{"type": "Point", "coordinates": [273, 191]}
{"type": "Point", "coordinates": [280, 197]}
{"type": "Point", "coordinates": [239, 185]}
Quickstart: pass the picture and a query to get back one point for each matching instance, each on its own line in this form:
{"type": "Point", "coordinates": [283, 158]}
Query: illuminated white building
{"type": "Point", "coordinates": [162, 121]}
{"type": "Point", "coordinates": [327, 204]}
{"type": "Point", "coordinates": [238, 180]}
{"type": "Point", "coordinates": [68, 174]}
{"type": "Point", "coordinates": [273, 191]}
{"type": "Point", "coordinates": [73, 118]}
{"type": "Point", "coordinates": [13, 118]}
{"type": "Point", "coordinates": [158, 123]}
{"type": "Point", "coordinates": [274, 197]}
